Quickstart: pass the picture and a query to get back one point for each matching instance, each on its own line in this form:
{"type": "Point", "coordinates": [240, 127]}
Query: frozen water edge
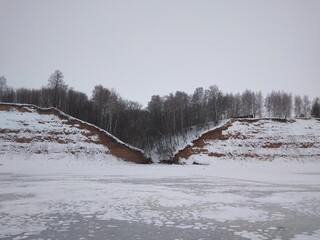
{"type": "Point", "coordinates": [74, 199]}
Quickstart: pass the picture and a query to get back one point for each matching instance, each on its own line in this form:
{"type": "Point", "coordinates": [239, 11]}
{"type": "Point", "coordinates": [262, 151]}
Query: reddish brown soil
{"type": "Point", "coordinates": [306, 145]}
{"type": "Point", "coordinates": [198, 144]}
{"type": "Point", "coordinates": [249, 155]}
{"type": "Point", "coordinates": [116, 148]}
{"type": "Point", "coordinates": [272, 145]}
{"type": "Point", "coordinates": [216, 155]}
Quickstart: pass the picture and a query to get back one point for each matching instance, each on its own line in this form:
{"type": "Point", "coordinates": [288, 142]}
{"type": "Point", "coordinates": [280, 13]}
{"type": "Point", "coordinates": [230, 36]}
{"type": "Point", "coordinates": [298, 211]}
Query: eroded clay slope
{"type": "Point", "coordinates": [28, 129]}
{"type": "Point", "coordinates": [262, 139]}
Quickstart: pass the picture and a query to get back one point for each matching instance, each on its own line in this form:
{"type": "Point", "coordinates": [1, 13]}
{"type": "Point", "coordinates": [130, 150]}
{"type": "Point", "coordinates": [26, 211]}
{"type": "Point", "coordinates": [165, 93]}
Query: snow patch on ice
{"type": "Point", "coordinates": [250, 235]}
{"type": "Point", "coordinates": [307, 236]}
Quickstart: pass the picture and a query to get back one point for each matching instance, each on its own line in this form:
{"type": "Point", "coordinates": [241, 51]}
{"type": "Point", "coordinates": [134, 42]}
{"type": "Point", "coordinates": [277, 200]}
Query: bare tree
{"type": "Point", "coordinates": [234, 105]}
{"type": "Point", "coordinates": [298, 106]}
{"type": "Point", "coordinates": [100, 98]}
{"type": "Point", "coordinates": [315, 111]}
{"type": "Point", "coordinates": [248, 102]}
{"type": "Point", "coordinates": [3, 87]}
{"type": "Point", "coordinates": [286, 104]}
{"type": "Point", "coordinates": [115, 105]}
{"type": "Point", "coordinates": [75, 104]}
{"type": "Point", "coordinates": [108, 106]}
{"type": "Point", "coordinates": [279, 104]}
{"type": "Point", "coordinates": [214, 96]}
{"type": "Point", "coordinates": [58, 88]}
{"type": "Point", "coordinates": [182, 102]}
{"type": "Point", "coordinates": [258, 105]}
{"type": "Point", "coordinates": [156, 115]}
{"type": "Point", "coordinates": [198, 101]}
{"type": "Point", "coordinates": [306, 106]}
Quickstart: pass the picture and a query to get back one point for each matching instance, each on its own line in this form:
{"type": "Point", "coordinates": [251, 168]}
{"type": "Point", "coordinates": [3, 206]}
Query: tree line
{"type": "Point", "coordinates": [167, 120]}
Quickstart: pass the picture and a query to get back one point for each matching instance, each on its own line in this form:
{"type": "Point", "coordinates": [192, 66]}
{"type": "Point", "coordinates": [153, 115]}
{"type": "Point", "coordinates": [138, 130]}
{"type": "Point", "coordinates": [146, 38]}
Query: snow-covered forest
{"type": "Point", "coordinates": [167, 120]}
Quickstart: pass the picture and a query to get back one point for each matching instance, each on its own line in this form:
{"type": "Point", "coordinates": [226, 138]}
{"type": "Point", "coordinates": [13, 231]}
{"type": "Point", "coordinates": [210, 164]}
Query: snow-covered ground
{"type": "Point", "coordinates": [31, 132]}
{"type": "Point", "coordinates": [69, 198]}
{"type": "Point", "coordinates": [263, 139]}
{"type": "Point", "coordinates": [268, 139]}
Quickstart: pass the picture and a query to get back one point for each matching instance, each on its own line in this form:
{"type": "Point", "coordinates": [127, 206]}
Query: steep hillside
{"type": "Point", "coordinates": [262, 139]}
{"type": "Point", "coordinates": [27, 129]}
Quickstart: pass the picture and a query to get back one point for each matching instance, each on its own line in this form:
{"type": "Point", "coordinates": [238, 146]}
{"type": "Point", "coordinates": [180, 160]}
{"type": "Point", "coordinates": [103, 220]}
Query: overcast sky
{"type": "Point", "coordinates": [143, 48]}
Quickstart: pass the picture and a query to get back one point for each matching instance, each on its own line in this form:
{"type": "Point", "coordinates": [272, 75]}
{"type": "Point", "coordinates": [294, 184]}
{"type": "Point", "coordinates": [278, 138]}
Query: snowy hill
{"type": "Point", "coordinates": [30, 131]}
{"type": "Point", "coordinates": [261, 139]}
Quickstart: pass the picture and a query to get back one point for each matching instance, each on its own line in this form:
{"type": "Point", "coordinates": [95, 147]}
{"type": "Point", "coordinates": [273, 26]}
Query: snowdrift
{"type": "Point", "coordinates": [260, 139]}
{"type": "Point", "coordinates": [27, 130]}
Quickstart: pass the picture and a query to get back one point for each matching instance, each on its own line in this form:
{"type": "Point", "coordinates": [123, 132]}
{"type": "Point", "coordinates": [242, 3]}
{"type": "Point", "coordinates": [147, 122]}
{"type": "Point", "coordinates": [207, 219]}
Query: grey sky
{"type": "Point", "coordinates": [143, 48]}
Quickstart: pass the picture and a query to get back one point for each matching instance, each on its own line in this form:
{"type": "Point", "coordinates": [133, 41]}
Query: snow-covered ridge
{"type": "Point", "coordinates": [33, 130]}
{"type": "Point", "coordinates": [261, 139]}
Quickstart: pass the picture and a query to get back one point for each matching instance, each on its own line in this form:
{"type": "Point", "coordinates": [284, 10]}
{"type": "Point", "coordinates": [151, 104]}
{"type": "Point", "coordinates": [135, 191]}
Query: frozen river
{"type": "Point", "coordinates": [92, 200]}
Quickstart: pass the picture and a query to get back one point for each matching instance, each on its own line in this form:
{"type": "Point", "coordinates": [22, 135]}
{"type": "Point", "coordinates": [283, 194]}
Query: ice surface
{"type": "Point", "coordinates": [225, 200]}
